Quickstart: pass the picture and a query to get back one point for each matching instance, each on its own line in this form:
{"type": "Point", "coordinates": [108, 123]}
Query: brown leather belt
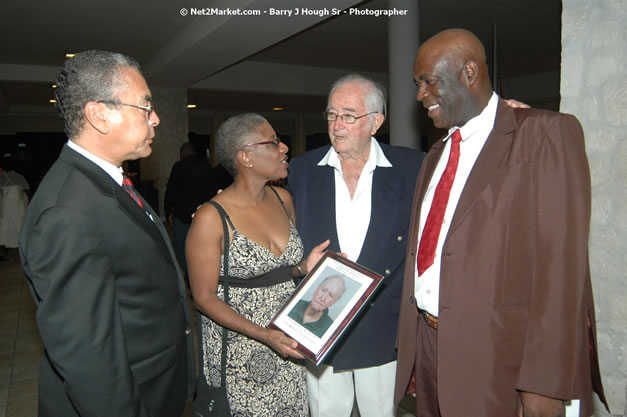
{"type": "Point", "coordinates": [431, 320]}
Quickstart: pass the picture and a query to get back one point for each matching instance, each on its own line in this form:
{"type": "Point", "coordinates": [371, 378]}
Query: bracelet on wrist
{"type": "Point", "coordinates": [300, 271]}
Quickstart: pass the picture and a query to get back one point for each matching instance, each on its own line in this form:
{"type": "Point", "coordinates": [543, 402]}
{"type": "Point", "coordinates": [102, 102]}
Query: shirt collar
{"type": "Point", "coordinates": [108, 167]}
{"type": "Point", "coordinates": [484, 119]}
{"type": "Point", "coordinates": [376, 158]}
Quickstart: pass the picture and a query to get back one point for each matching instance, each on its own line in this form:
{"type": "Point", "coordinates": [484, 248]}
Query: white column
{"type": "Point", "coordinates": [594, 89]}
{"type": "Point", "coordinates": [403, 41]}
{"type": "Point", "coordinates": [172, 132]}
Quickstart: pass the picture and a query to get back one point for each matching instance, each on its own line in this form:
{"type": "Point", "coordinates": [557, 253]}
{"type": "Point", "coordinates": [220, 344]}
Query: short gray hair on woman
{"type": "Point", "coordinates": [375, 100]}
{"type": "Point", "coordinates": [89, 76]}
{"type": "Point", "coordinates": [232, 135]}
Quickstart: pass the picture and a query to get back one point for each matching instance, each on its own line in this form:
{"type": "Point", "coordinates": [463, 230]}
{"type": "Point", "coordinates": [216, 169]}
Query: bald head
{"type": "Point", "coordinates": [187, 149]}
{"type": "Point", "coordinates": [459, 44]}
{"type": "Point", "coordinates": [327, 293]}
{"type": "Point", "coordinates": [452, 77]}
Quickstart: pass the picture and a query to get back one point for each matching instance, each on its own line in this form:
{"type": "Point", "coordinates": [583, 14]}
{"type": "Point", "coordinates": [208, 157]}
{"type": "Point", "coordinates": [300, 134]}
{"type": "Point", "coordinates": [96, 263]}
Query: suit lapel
{"type": "Point", "coordinates": [492, 157]}
{"type": "Point", "coordinates": [139, 216]}
{"type": "Point", "coordinates": [165, 239]}
{"type": "Point", "coordinates": [323, 198]}
{"type": "Point", "coordinates": [385, 195]}
{"type": "Point", "coordinates": [428, 167]}
{"type": "Point", "coordinates": [109, 188]}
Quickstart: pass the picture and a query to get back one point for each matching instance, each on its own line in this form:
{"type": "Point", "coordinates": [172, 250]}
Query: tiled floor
{"type": "Point", "coordinates": [21, 348]}
{"type": "Point", "coordinates": [20, 345]}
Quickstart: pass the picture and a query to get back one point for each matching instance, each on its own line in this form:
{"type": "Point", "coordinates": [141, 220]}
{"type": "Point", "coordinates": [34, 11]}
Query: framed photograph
{"type": "Point", "coordinates": [325, 304]}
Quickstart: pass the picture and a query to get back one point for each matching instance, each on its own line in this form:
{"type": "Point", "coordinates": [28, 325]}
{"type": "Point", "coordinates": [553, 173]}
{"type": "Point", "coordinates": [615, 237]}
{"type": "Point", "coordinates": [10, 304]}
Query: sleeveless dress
{"type": "Point", "coordinates": [259, 381]}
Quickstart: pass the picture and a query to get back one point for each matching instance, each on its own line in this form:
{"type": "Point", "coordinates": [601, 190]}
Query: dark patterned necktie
{"type": "Point", "coordinates": [127, 184]}
{"type": "Point", "coordinates": [433, 225]}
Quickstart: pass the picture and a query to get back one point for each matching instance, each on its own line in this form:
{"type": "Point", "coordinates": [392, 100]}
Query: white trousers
{"type": "Point", "coordinates": [572, 408]}
{"type": "Point", "coordinates": [331, 393]}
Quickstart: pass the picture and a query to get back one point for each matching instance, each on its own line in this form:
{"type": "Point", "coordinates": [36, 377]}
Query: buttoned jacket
{"type": "Point", "coordinates": [370, 340]}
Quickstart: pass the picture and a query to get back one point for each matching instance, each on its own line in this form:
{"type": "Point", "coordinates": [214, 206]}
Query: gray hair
{"type": "Point", "coordinates": [375, 100]}
{"type": "Point", "coordinates": [232, 135]}
{"type": "Point", "coordinates": [89, 76]}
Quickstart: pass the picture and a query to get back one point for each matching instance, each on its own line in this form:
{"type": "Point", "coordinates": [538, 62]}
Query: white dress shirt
{"type": "Point", "coordinates": [108, 167]}
{"type": "Point", "coordinates": [114, 172]}
{"type": "Point", "coordinates": [352, 216]}
{"type": "Point", "coordinates": [474, 135]}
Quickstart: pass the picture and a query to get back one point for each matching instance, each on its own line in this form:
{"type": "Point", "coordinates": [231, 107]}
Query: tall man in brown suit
{"type": "Point", "coordinates": [500, 320]}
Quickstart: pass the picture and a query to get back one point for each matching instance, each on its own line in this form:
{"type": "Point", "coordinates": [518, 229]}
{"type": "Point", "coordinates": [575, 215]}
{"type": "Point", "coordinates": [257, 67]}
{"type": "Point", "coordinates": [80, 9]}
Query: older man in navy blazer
{"type": "Point", "coordinates": [111, 307]}
{"type": "Point", "coordinates": [358, 193]}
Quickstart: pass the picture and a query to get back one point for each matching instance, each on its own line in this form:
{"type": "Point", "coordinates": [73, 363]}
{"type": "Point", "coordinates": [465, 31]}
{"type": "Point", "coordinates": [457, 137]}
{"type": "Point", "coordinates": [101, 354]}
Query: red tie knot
{"type": "Point", "coordinates": [457, 136]}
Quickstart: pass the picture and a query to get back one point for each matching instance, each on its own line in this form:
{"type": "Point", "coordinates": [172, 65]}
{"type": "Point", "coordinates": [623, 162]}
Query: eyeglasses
{"type": "Point", "coordinates": [346, 118]}
{"type": "Point", "coordinates": [275, 143]}
{"type": "Point", "coordinates": [150, 109]}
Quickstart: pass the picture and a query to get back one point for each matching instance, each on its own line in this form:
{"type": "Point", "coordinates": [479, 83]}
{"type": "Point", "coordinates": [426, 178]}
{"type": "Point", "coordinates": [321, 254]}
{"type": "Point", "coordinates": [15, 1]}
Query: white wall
{"type": "Point", "coordinates": [594, 88]}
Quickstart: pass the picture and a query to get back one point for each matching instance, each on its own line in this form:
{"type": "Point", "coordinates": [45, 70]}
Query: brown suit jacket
{"type": "Point", "coordinates": [515, 294]}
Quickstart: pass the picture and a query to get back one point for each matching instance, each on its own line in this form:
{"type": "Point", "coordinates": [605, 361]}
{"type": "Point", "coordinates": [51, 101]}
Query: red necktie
{"type": "Point", "coordinates": [431, 231]}
{"type": "Point", "coordinates": [127, 184]}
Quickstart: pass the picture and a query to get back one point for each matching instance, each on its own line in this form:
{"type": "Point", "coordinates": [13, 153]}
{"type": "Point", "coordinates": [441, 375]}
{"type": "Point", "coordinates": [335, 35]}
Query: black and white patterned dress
{"type": "Point", "coordinates": [259, 382]}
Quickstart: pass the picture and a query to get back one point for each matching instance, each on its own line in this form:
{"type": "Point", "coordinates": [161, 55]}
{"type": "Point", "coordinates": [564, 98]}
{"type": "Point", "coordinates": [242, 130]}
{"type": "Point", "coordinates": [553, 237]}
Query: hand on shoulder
{"type": "Point", "coordinates": [515, 104]}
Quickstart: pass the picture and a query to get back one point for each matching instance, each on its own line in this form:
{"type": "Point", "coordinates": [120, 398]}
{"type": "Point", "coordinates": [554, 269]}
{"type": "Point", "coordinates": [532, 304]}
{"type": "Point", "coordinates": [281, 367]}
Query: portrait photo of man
{"type": "Point", "coordinates": [313, 314]}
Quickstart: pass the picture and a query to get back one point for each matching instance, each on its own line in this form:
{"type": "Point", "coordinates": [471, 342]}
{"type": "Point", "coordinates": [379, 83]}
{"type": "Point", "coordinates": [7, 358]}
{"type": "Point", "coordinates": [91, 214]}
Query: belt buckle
{"type": "Point", "coordinates": [431, 321]}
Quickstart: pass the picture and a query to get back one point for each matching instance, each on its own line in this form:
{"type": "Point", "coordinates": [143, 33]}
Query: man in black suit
{"type": "Point", "coordinates": [188, 187]}
{"type": "Point", "coordinates": [111, 307]}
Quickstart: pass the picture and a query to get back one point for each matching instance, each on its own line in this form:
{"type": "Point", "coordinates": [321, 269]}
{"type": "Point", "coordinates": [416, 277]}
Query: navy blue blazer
{"type": "Point", "coordinates": [371, 339]}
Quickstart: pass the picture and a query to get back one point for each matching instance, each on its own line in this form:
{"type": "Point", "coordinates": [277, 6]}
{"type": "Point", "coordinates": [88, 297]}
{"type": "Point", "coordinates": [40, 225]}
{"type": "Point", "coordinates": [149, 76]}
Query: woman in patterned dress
{"type": "Point", "coordinates": [265, 374]}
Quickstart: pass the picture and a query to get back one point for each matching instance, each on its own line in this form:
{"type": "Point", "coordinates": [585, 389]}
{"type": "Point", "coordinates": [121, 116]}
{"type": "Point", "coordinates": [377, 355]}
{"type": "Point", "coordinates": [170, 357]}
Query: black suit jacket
{"type": "Point", "coordinates": [371, 340]}
{"type": "Point", "coordinates": [111, 307]}
{"type": "Point", "coordinates": [189, 185]}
